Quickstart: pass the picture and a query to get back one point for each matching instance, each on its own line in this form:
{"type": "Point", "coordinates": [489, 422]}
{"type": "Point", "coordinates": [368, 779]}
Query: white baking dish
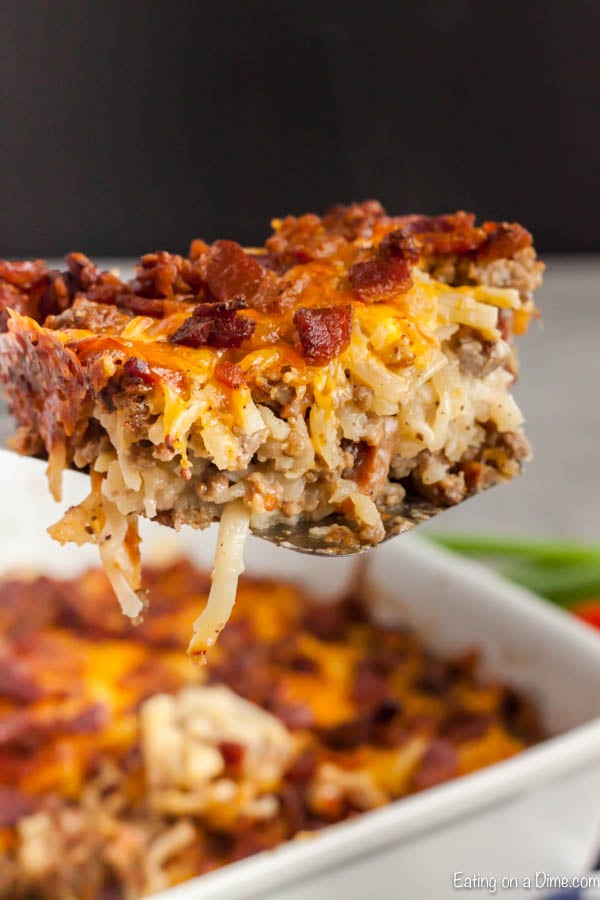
{"type": "Point", "coordinates": [538, 812]}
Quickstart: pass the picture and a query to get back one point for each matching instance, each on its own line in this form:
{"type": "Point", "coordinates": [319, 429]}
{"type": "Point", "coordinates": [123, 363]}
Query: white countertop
{"type": "Point", "coordinates": [559, 393]}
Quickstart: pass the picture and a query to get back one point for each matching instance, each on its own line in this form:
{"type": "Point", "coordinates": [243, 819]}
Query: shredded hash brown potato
{"type": "Point", "coordinates": [125, 769]}
{"type": "Point", "coordinates": [354, 361]}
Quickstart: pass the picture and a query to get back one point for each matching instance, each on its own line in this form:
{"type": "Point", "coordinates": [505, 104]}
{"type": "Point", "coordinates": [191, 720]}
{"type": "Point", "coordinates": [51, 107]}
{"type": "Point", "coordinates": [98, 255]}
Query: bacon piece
{"type": "Point", "coordinates": [347, 735]}
{"type": "Point", "coordinates": [62, 287]}
{"type": "Point", "coordinates": [303, 767]}
{"type": "Point", "coordinates": [24, 730]}
{"type": "Point", "coordinates": [450, 233]}
{"type": "Point", "coordinates": [271, 262]}
{"type": "Point", "coordinates": [435, 678]}
{"type": "Point", "coordinates": [141, 306]}
{"type": "Point", "coordinates": [82, 271]}
{"type": "Point", "coordinates": [382, 275]}
{"type": "Point", "coordinates": [386, 711]}
{"type": "Point", "coordinates": [14, 804]}
{"type": "Point", "coordinates": [300, 240]}
{"type": "Point", "coordinates": [93, 718]}
{"type": "Point", "coordinates": [293, 715]}
{"type": "Point", "coordinates": [230, 374]}
{"type": "Point", "coordinates": [328, 623]}
{"type": "Point", "coordinates": [198, 248]}
{"type": "Point", "coordinates": [114, 293]}
{"type": "Point", "coordinates": [215, 325]}
{"type": "Point", "coordinates": [16, 683]}
{"type": "Point", "coordinates": [233, 753]}
{"type": "Point", "coordinates": [400, 244]}
{"type": "Point", "coordinates": [467, 725]}
{"type": "Point", "coordinates": [231, 272]}
{"type": "Point", "coordinates": [504, 239]}
{"type": "Point", "coordinates": [56, 297]}
{"type": "Point", "coordinates": [354, 221]}
{"type": "Point", "coordinates": [370, 463]}
{"type": "Point", "coordinates": [324, 333]}
{"type": "Point", "coordinates": [439, 763]}
{"type": "Point", "coordinates": [371, 682]}
{"type": "Point", "coordinates": [163, 275]}
{"type": "Point", "coordinates": [24, 275]}
{"type": "Point", "coordinates": [138, 370]}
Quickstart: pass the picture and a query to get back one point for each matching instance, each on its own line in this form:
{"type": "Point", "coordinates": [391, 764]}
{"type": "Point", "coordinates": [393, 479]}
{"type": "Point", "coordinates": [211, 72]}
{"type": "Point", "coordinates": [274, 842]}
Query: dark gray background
{"type": "Point", "coordinates": [130, 125]}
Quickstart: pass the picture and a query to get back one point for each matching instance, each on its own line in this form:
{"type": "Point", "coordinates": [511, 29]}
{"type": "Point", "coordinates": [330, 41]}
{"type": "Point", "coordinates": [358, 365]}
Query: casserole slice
{"type": "Point", "coordinates": [355, 363]}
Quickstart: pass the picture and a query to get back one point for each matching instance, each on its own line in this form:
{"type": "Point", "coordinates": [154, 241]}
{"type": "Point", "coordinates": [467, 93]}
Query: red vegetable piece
{"type": "Point", "coordinates": [324, 333]}
{"type": "Point", "coordinates": [589, 611]}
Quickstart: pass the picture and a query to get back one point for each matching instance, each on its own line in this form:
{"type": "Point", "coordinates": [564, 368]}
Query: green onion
{"type": "Point", "coordinates": [564, 572]}
{"type": "Point", "coordinates": [548, 551]}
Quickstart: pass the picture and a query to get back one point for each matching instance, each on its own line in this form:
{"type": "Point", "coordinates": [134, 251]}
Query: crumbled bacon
{"type": "Point", "coordinates": [14, 804]}
{"type": "Point", "coordinates": [62, 287]}
{"type": "Point", "coordinates": [293, 714]}
{"type": "Point", "coordinates": [371, 684]}
{"type": "Point", "coordinates": [324, 333]}
{"type": "Point", "coordinates": [138, 370]}
{"type": "Point", "coordinates": [400, 244]}
{"type": "Point", "coordinates": [373, 278]}
{"type": "Point", "coordinates": [230, 374]}
{"type": "Point", "coordinates": [26, 730]}
{"type": "Point", "coordinates": [503, 240]}
{"type": "Point", "coordinates": [354, 221]}
{"type": "Point", "coordinates": [359, 451]}
{"type": "Point", "coordinates": [164, 275]}
{"type": "Point", "coordinates": [450, 233]}
{"type": "Point", "coordinates": [24, 275]}
{"type": "Point", "coordinates": [198, 248]}
{"type": "Point", "coordinates": [347, 735]}
{"type": "Point", "coordinates": [141, 306]}
{"type": "Point", "coordinates": [271, 262]}
{"type": "Point", "coordinates": [327, 622]}
{"type": "Point", "coordinates": [439, 763]}
{"type": "Point", "coordinates": [82, 270]}
{"type": "Point", "coordinates": [231, 272]}
{"type": "Point", "coordinates": [300, 240]}
{"type": "Point", "coordinates": [16, 683]}
{"type": "Point", "coordinates": [215, 325]}
{"type": "Point", "coordinates": [233, 753]}
{"type": "Point", "coordinates": [467, 725]}
{"type": "Point", "coordinates": [56, 296]}
{"type": "Point", "coordinates": [93, 718]}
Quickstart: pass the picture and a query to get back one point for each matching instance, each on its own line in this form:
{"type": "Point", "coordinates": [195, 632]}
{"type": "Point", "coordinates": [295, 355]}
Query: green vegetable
{"type": "Point", "coordinates": [564, 572]}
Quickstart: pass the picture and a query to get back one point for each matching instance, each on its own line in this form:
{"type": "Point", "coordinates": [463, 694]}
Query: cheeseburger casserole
{"type": "Point", "coordinates": [355, 362]}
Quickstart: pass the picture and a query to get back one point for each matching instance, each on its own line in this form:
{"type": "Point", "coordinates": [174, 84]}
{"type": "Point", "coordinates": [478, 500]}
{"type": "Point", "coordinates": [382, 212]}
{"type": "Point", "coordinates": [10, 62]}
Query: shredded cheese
{"type": "Point", "coordinates": [227, 567]}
